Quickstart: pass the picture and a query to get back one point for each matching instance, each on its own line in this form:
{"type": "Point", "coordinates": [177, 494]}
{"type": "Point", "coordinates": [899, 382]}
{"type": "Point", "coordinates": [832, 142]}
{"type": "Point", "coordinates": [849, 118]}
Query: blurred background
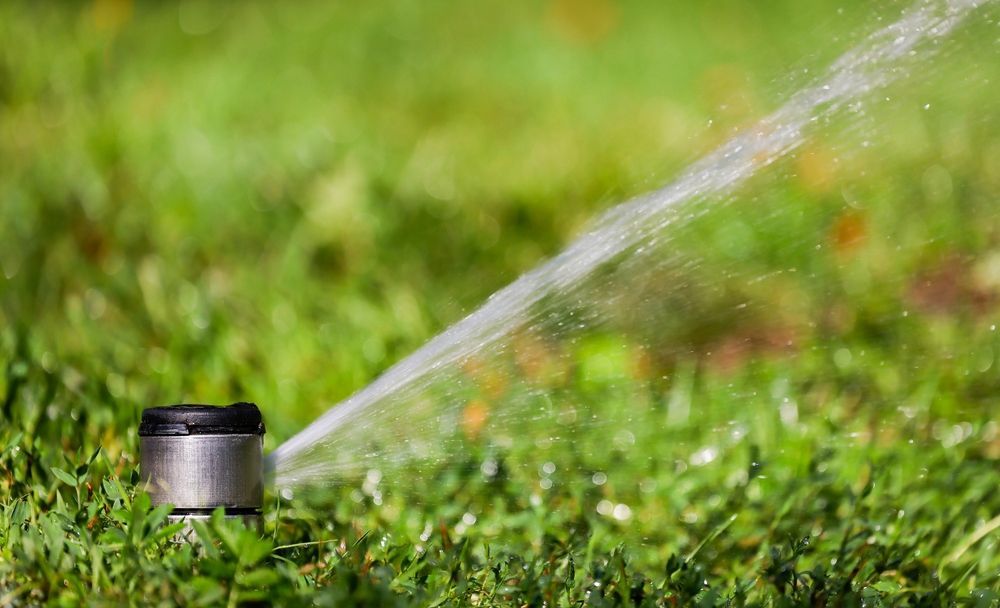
{"type": "Point", "coordinates": [275, 202]}
{"type": "Point", "coordinates": [208, 202]}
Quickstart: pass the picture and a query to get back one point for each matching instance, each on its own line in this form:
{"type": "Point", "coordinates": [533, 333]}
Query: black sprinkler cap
{"type": "Point", "coordinates": [188, 419]}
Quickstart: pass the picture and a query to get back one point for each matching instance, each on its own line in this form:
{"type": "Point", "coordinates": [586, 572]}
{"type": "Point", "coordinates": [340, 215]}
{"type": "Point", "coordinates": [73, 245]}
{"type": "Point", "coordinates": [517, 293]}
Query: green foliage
{"type": "Point", "coordinates": [764, 528]}
{"type": "Point", "coordinates": [275, 203]}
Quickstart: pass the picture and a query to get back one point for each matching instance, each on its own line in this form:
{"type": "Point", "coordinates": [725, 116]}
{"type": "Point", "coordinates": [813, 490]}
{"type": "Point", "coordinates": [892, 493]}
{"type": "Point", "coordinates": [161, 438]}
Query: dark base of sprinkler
{"type": "Point", "coordinates": [230, 512]}
{"type": "Point", "coordinates": [251, 517]}
{"type": "Point", "coordinates": [187, 533]}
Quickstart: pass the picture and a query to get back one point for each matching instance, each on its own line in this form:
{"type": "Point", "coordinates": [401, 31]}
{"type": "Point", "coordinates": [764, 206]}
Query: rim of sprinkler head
{"type": "Point", "coordinates": [199, 457]}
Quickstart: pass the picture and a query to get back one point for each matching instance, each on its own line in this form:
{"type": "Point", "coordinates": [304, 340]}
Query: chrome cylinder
{"type": "Point", "coordinates": [200, 457]}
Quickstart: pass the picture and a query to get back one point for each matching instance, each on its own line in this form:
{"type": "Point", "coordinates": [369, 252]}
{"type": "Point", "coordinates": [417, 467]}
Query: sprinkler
{"type": "Point", "coordinates": [201, 457]}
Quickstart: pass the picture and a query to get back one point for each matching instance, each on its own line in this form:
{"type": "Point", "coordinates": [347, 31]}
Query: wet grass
{"type": "Point", "coordinates": [808, 518]}
{"type": "Point", "coordinates": [268, 204]}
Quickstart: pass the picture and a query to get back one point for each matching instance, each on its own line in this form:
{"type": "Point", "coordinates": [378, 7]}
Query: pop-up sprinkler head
{"type": "Point", "coordinates": [201, 457]}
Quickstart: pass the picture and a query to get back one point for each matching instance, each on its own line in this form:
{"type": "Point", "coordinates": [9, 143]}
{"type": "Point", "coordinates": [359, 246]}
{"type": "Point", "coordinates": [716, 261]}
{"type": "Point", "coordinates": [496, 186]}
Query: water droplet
{"type": "Point", "coordinates": [622, 512]}
{"type": "Point", "coordinates": [704, 456]}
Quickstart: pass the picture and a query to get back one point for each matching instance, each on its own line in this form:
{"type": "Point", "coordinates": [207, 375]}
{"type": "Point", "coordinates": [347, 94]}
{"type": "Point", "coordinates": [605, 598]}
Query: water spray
{"type": "Point", "coordinates": [581, 275]}
{"type": "Point", "coordinates": [201, 457]}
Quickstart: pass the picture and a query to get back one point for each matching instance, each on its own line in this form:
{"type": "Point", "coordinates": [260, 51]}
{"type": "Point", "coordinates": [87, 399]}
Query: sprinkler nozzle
{"type": "Point", "coordinates": [201, 457]}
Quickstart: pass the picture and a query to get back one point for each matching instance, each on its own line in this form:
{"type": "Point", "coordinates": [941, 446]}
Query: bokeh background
{"type": "Point", "coordinates": [208, 202]}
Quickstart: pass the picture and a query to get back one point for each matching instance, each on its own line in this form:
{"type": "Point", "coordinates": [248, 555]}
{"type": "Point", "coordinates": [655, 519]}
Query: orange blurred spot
{"type": "Point", "coordinates": [761, 158]}
{"type": "Point", "coordinates": [530, 356]}
{"type": "Point", "coordinates": [473, 366]}
{"type": "Point", "coordinates": [849, 231]}
{"type": "Point", "coordinates": [582, 21]}
{"type": "Point", "coordinates": [111, 15]}
{"type": "Point", "coordinates": [537, 361]}
{"type": "Point", "coordinates": [474, 418]}
{"type": "Point", "coordinates": [641, 364]}
{"type": "Point", "coordinates": [307, 568]}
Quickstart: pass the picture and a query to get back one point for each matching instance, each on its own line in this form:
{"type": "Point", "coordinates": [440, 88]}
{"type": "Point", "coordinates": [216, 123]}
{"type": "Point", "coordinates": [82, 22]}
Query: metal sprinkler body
{"type": "Point", "coordinates": [201, 457]}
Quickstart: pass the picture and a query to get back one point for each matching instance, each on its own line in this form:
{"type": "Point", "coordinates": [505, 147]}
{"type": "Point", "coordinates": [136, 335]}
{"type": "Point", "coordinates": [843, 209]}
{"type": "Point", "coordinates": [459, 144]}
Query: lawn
{"type": "Point", "coordinates": [211, 203]}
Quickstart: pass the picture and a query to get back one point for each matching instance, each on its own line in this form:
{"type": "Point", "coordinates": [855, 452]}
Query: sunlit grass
{"type": "Point", "coordinates": [274, 204]}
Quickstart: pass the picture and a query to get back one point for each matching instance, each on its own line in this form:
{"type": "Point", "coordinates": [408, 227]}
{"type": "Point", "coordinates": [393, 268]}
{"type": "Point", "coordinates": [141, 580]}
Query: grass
{"type": "Point", "coordinates": [384, 168]}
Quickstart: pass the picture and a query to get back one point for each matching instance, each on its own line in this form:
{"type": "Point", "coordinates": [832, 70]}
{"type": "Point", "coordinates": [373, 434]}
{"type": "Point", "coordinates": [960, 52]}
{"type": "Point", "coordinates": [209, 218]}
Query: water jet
{"type": "Point", "coordinates": [202, 457]}
{"type": "Point", "coordinates": [409, 412]}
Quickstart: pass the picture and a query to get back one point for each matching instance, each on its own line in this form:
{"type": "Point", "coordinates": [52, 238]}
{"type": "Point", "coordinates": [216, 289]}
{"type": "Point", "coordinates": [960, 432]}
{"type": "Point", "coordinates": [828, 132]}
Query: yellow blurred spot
{"type": "Point", "coordinates": [491, 381]}
{"type": "Point", "coordinates": [986, 273]}
{"type": "Point", "coordinates": [111, 15]}
{"type": "Point", "coordinates": [992, 449]}
{"type": "Point", "coordinates": [816, 169]}
{"type": "Point", "coordinates": [725, 88]}
{"type": "Point", "coordinates": [339, 225]}
{"type": "Point", "coordinates": [474, 418]}
{"type": "Point", "coordinates": [583, 21]}
{"type": "Point", "coordinates": [150, 99]}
